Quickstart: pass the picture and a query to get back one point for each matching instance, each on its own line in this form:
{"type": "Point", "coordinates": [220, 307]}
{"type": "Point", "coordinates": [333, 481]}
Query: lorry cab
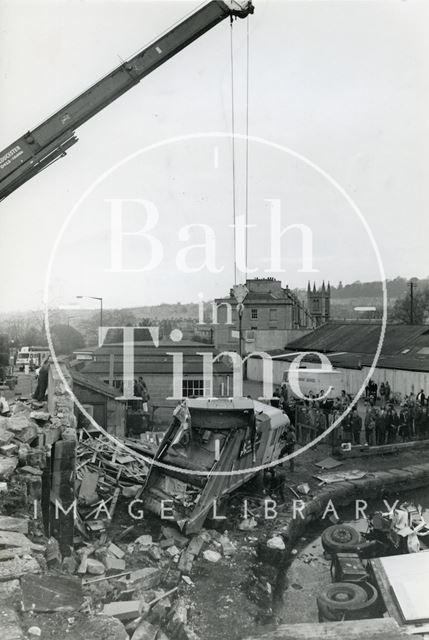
{"type": "Point", "coordinates": [212, 447]}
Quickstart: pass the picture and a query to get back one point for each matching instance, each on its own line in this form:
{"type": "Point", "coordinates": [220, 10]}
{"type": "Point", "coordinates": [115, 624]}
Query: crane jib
{"type": "Point", "coordinates": [41, 146]}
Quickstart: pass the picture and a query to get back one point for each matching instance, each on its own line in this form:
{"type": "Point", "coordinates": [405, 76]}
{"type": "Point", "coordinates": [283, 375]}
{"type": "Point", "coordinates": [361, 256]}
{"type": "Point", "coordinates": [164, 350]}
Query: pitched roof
{"type": "Point", "coordinates": [354, 344]}
{"type": "Point", "coordinates": [160, 366]}
{"type": "Point", "coordinates": [363, 338]}
{"type": "Point", "coordinates": [90, 382]}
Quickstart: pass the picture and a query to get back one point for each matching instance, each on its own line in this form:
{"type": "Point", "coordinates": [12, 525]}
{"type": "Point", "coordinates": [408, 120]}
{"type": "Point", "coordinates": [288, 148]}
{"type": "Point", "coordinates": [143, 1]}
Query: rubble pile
{"type": "Point", "coordinates": [22, 455]}
{"type": "Point", "coordinates": [103, 474]}
{"type": "Point", "coordinates": [145, 584]}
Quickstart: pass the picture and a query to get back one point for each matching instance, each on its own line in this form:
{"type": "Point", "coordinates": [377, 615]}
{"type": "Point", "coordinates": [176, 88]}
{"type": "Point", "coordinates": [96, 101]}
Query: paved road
{"type": "Point", "coordinates": [26, 385]}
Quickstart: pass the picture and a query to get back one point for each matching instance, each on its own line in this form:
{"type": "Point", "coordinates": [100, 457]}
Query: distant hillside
{"type": "Point", "coordinates": [166, 311]}
{"type": "Point", "coordinates": [396, 288]}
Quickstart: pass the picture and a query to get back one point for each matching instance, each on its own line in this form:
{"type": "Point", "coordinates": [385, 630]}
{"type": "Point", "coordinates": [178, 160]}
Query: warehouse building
{"type": "Point", "coordinates": [351, 348]}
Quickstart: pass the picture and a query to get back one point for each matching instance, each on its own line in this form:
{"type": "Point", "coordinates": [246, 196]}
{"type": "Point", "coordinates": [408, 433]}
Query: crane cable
{"type": "Point", "coordinates": [234, 193]}
{"type": "Point", "coordinates": [233, 149]}
{"type": "Point", "coordinates": [247, 144]}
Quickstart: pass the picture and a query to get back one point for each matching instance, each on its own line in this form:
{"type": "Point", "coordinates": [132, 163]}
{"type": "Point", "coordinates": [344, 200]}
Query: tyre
{"type": "Point", "coordinates": [340, 599]}
{"type": "Point", "coordinates": [347, 601]}
{"type": "Point", "coordinates": [340, 538]}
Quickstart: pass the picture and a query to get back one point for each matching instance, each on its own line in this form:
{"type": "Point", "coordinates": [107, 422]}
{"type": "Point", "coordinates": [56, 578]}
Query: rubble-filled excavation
{"type": "Point", "coordinates": [94, 538]}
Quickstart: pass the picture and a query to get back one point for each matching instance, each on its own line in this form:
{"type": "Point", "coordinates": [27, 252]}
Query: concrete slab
{"type": "Point", "coordinates": [49, 593]}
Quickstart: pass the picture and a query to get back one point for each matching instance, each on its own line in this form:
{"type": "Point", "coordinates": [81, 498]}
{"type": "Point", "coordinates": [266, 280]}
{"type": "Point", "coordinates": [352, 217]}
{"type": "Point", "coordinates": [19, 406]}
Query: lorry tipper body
{"type": "Point", "coordinates": [212, 447]}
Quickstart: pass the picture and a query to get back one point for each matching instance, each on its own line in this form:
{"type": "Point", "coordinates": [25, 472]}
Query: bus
{"type": "Point", "coordinates": [31, 356]}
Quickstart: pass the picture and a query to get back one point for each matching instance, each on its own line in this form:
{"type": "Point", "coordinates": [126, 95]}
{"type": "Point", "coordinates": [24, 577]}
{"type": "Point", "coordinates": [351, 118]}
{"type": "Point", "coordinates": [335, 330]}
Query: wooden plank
{"type": "Point", "coordinates": [362, 451]}
{"type": "Point", "coordinates": [114, 502]}
{"type": "Point", "coordinates": [375, 629]}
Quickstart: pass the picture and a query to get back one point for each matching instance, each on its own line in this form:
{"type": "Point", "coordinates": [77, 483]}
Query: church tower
{"type": "Point", "coordinates": [319, 302]}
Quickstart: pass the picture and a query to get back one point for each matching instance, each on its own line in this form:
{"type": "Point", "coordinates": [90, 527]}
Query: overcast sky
{"type": "Point", "coordinates": [344, 84]}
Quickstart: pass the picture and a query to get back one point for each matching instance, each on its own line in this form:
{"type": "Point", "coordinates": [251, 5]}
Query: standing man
{"type": "Point", "coordinates": [421, 398]}
{"type": "Point", "coordinates": [380, 426]}
{"type": "Point", "coordinates": [370, 417]}
{"type": "Point", "coordinates": [289, 446]}
{"type": "Point", "coordinates": [144, 393]}
{"type": "Point", "coordinates": [275, 400]}
{"type": "Point", "coordinates": [387, 391]}
{"type": "Point", "coordinates": [42, 382]}
{"type": "Point", "coordinates": [356, 425]}
{"type": "Point", "coordinates": [390, 426]}
{"type": "Point", "coordinates": [382, 393]}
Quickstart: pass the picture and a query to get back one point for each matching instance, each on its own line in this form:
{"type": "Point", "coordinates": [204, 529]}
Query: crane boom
{"type": "Point", "coordinates": [49, 141]}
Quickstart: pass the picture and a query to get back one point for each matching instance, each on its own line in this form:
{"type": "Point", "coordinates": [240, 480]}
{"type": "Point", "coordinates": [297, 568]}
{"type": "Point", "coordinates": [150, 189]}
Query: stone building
{"type": "Point", "coordinates": [272, 316]}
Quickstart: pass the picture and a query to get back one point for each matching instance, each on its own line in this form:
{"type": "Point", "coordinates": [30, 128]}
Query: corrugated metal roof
{"type": "Point", "coordinates": [356, 337]}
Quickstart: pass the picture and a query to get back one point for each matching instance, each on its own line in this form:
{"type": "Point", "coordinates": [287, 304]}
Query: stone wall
{"type": "Point", "coordinates": [60, 402]}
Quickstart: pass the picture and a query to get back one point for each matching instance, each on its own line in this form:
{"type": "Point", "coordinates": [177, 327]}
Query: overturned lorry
{"type": "Point", "coordinates": [212, 447]}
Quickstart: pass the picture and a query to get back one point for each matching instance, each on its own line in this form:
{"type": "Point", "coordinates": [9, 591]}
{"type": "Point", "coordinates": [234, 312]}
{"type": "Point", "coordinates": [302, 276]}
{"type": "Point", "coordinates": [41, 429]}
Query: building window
{"type": "Point", "coordinates": [254, 314]}
{"type": "Point", "coordinates": [273, 315]}
{"type": "Point", "coordinates": [192, 387]}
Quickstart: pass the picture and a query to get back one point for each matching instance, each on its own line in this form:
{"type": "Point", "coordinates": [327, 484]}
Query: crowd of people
{"type": "Point", "coordinates": [382, 418]}
{"type": "Point", "coordinates": [387, 423]}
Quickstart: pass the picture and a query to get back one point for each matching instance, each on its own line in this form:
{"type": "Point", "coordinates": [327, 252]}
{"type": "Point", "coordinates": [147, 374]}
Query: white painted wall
{"type": "Point", "coordinates": [351, 379]}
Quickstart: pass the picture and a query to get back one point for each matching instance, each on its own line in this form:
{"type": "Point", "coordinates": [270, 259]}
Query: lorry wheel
{"type": "Point", "coordinates": [370, 607]}
{"type": "Point", "coordinates": [343, 600]}
{"type": "Point", "coordinates": [339, 599]}
{"type": "Point", "coordinates": [340, 538]}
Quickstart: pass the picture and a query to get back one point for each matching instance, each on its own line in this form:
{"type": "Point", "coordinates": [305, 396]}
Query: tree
{"type": "Point", "coordinates": [4, 354]}
{"type": "Point", "coordinates": [66, 339]}
{"type": "Point", "coordinates": [401, 311]}
{"type": "Point", "coordinates": [34, 337]}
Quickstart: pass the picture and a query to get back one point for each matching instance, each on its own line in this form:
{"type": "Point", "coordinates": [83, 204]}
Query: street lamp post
{"type": "Point", "coordinates": [101, 305]}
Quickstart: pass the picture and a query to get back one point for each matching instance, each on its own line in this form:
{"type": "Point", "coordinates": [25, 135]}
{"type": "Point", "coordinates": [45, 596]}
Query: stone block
{"type": "Point", "coordinates": [98, 627]}
{"type": "Point", "coordinates": [5, 437]}
{"type": "Point", "coordinates": [7, 467]}
{"type": "Point", "coordinates": [9, 449]}
{"type": "Point", "coordinates": [149, 577]}
{"type": "Point", "coordinates": [116, 551]}
{"type": "Point", "coordinates": [179, 539]}
{"type": "Point", "coordinates": [94, 567]}
{"type": "Point", "coordinates": [10, 591]}
{"type": "Point", "coordinates": [114, 564]}
{"type": "Point", "coordinates": [13, 569]}
{"type": "Point", "coordinates": [10, 625]}
{"type": "Point", "coordinates": [19, 525]}
{"type": "Point", "coordinates": [127, 610]}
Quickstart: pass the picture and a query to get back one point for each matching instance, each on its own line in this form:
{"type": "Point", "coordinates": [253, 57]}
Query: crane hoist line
{"type": "Point", "coordinates": [47, 142]}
